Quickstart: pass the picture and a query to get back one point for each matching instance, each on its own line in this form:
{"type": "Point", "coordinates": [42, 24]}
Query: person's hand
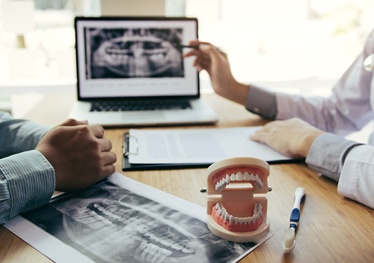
{"type": "Point", "coordinates": [292, 137]}
{"type": "Point", "coordinates": [79, 154]}
{"type": "Point", "coordinates": [216, 63]}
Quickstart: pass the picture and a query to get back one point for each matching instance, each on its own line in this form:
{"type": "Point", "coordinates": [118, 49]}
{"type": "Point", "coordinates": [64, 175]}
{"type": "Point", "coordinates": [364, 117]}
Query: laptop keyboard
{"type": "Point", "coordinates": [140, 105]}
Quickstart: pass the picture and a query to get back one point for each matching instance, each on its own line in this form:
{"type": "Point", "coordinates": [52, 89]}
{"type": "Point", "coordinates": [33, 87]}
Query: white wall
{"type": "Point", "coordinates": [133, 7]}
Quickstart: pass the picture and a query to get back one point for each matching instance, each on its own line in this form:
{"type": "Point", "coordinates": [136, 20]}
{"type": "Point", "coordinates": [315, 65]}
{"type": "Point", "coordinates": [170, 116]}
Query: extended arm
{"type": "Point", "coordinates": [69, 157]}
{"type": "Point", "coordinates": [347, 109]}
{"type": "Point", "coordinates": [310, 134]}
{"type": "Point", "coordinates": [27, 179]}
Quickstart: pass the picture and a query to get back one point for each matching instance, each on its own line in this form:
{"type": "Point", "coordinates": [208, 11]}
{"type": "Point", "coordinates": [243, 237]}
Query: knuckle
{"type": "Point", "coordinates": [114, 157]}
{"type": "Point", "coordinates": [109, 144]}
{"type": "Point", "coordinates": [71, 120]}
{"type": "Point", "coordinates": [95, 144]}
{"type": "Point", "coordinates": [83, 129]}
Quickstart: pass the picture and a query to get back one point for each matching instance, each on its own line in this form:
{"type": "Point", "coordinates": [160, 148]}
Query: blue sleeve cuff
{"type": "Point", "coordinates": [261, 102]}
{"type": "Point", "coordinates": [327, 154]}
{"type": "Point", "coordinates": [28, 180]}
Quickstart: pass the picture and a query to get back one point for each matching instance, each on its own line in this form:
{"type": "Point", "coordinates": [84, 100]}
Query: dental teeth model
{"type": "Point", "coordinates": [236, 202]}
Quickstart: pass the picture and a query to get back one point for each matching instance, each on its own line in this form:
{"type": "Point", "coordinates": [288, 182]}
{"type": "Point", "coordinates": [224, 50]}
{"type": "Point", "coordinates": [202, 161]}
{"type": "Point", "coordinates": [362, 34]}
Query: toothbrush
{"type": "Point", "coordinates": [289, 239]}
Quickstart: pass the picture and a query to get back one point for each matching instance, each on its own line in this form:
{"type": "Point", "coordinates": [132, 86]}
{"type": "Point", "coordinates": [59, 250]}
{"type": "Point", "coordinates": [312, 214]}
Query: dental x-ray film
{"type": "Point", "coordinates": [122, 220]}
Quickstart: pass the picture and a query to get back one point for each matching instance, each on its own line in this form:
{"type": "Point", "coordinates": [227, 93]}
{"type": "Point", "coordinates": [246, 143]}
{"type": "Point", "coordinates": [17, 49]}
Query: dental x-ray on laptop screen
{"type": "Point", "coordinates": [131, 72]}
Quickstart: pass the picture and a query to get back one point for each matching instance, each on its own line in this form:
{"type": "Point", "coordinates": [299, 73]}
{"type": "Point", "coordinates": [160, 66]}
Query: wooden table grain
{"type": "Point", "coordinates": [332, 228]}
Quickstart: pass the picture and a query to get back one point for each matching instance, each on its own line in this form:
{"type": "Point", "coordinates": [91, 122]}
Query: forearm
{"type": "Point", "coordinates": [18, 135]}
{"type": "Point", "coordinates": [237, 92]}
{"type": "Point", "coordinates": [27, 181]}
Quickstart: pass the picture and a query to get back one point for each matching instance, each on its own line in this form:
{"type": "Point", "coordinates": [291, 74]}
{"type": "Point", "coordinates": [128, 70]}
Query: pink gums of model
{"type": "Point", "coordinates": [237, 206]}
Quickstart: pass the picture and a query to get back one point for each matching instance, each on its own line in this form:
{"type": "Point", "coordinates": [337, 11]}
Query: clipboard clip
{"type": "Point", "coordinates": [126, 145]}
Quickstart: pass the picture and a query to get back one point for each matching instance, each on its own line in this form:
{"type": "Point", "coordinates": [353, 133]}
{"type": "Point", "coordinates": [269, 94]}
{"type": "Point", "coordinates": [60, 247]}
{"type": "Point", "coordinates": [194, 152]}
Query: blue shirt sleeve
{"type": "Point", "coordinates": [18, 135]}
{"type": "Point", "coordinates": [262, 102]}
{"type": "Point", "coordinates": [329, 162]}
{"type": "Point", "coordinates": [27, 179]}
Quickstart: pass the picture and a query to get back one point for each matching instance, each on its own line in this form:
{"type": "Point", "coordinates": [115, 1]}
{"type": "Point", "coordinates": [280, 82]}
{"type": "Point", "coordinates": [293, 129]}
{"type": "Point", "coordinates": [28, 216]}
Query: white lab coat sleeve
{"type": "Point", "coordinates": [357, 175]}
{"type": "Point", "coordinates": [348, 109]}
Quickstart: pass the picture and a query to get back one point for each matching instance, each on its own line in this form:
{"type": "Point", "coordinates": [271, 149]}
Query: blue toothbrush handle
{"type": "Point", "coordinates": [295, 213]}
{"type": "Point", "coordinates": [294, 218]}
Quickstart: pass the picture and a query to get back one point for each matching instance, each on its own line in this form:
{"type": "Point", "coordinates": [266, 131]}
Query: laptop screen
{"type": "Point", "coordinates": [122, 57]}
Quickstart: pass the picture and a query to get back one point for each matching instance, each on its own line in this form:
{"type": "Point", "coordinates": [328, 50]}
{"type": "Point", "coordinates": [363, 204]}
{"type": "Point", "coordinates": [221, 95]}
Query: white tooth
{"type": "Point", "coordinates": [221, 182]}
{"type": "Point", "coordinates": [227, 178]}
{"type": "Point", "coordinates": [96, 224]}
{"type": "Point", "coordinates": [176, 246]}
{"type": "Point", "coordinates": [108, 223]}
{"type": "Point", "coordinates": [233, 177]}
{"type": "Point", "coordinates": [258, 184]}
{"type": "Point", "coordinates": [236, 219]}
{"type": "Point", "coordinates": [231, 219]}
{"type": "Point", "coordinates": [217, 186]}
{"type": "Point", "coordinates": [217, 206]}
{"type": "Point", "coordinates": [224, 215]}
{"type": "Point", "coordinates": [167, 242]}
{"type": "Point", "coordinates": [89, 220]}
{"type": "Point", "coordinates": [246, 176]}
{"type": "Point", "coordinates": [227, 217]}
{"type": "Point", "coordinates": [188, 250]}
{"type": "Point", "coordinates": [152, 237]}
{"type": "Point", "coordinates": [239, 176]}
{"type": "Point", "coordinates": [112, 209]}
{"type": "Point", "coordinates": [219, 211]}
{"type": "Point", "coordinates": [91, 213]}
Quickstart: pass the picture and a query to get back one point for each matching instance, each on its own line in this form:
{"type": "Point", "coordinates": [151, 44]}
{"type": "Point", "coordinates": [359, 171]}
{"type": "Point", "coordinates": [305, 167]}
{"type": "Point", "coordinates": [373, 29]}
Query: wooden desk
{"type": "Point", "coordinates": [332, 228]}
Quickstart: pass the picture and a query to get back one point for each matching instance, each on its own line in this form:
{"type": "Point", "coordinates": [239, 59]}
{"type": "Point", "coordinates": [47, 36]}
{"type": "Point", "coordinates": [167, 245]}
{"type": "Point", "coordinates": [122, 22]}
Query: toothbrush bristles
{"type": "Point", "coordinates": [289, 239]}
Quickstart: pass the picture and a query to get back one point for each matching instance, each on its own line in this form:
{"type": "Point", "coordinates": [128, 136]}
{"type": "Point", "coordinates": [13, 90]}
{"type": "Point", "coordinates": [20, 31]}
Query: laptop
{"type": "Point", "coordinates": [130, 72]}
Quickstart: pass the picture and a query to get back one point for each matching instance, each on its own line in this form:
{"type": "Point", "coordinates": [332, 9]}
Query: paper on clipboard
{"type": "Point", "coordinates": [196, 146]}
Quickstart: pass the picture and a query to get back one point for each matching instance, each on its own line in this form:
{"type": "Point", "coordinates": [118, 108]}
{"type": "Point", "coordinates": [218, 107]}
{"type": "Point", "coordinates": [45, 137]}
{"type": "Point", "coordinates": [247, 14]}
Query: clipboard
{"type": "Point", "coordinates": [127, 166]}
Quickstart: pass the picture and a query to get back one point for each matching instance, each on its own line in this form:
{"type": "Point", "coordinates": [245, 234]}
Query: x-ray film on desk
{"type": "Point", "coordinates": [122, 220]}
{"type": "Point", "coordinates": [131, 72]}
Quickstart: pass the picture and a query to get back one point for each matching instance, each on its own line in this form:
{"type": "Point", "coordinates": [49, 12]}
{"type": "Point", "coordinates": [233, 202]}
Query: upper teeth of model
{"type": "Point", "coordinates": [239, 176]}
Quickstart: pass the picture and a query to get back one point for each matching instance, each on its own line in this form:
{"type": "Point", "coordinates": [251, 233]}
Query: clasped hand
{"type": "Point", "coordinates": [79, 154]}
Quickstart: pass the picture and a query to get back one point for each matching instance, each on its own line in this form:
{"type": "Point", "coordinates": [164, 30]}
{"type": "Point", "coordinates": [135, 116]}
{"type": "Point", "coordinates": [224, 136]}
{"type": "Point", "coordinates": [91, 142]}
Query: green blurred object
{"type": "Point", "coordinates": [5, 104]}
